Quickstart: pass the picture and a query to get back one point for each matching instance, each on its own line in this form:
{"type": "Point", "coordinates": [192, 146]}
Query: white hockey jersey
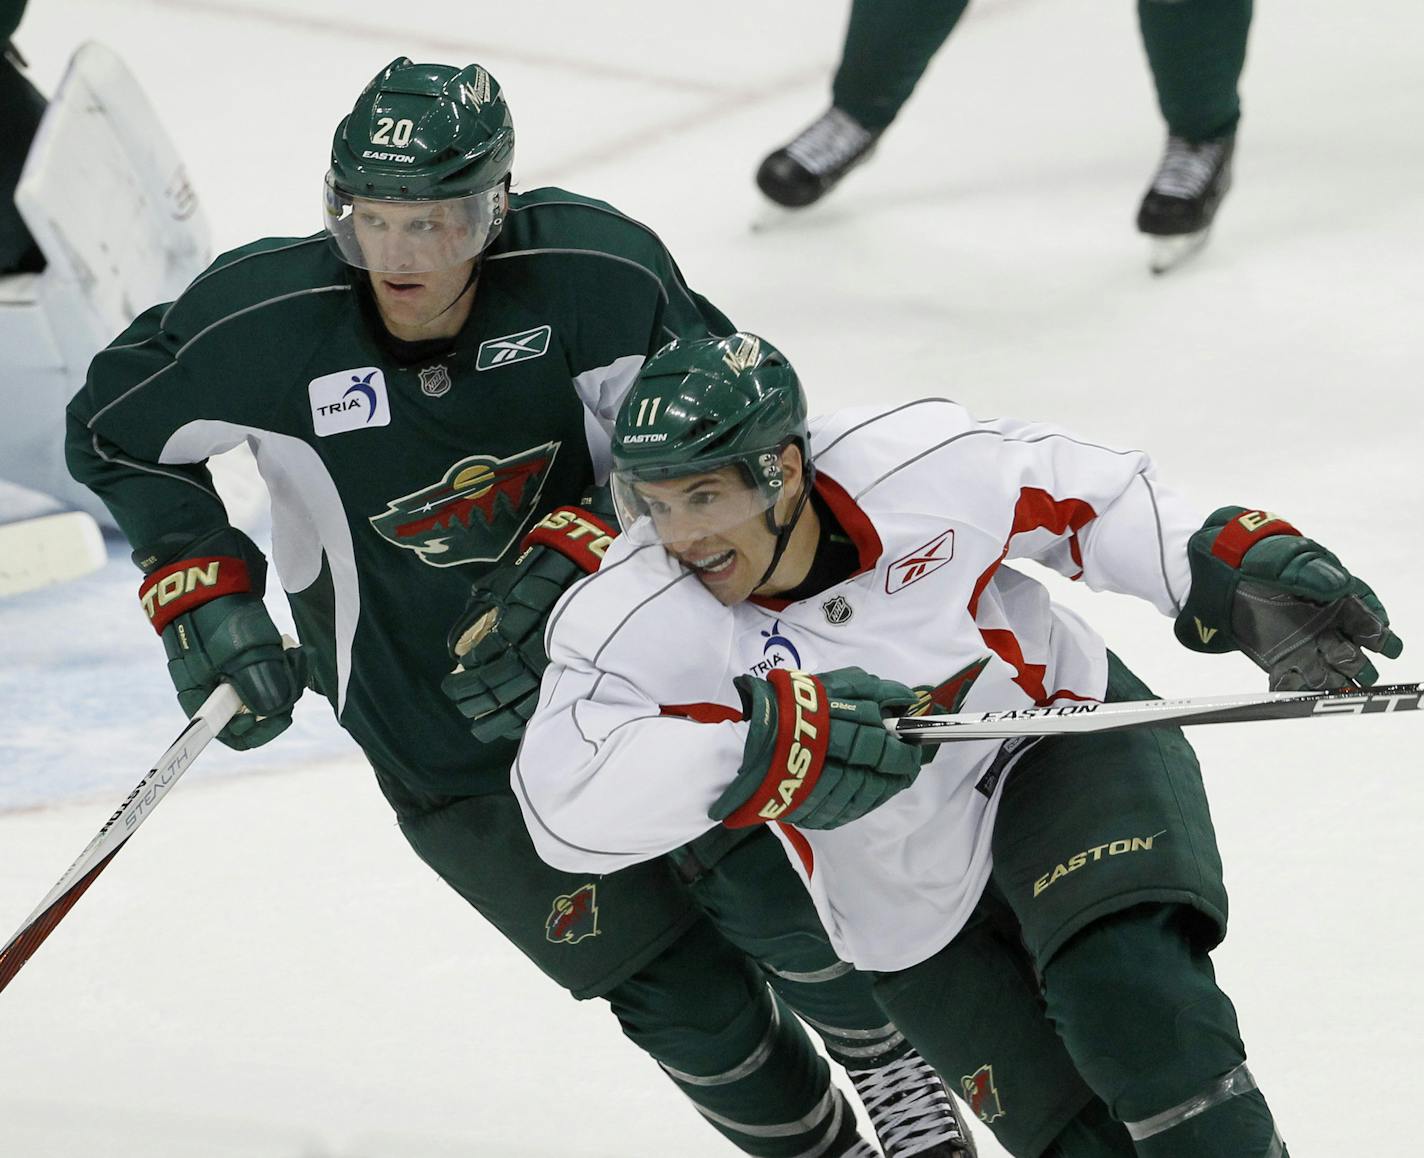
{"type": "Point", "coordinates": [638, 729]}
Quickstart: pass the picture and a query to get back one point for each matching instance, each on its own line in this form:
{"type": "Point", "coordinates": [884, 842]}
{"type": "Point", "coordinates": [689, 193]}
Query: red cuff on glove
{"type": "Point", "coordinates": [189, 583]}
{"type": "Point", "coordinates": [574, 532]}
{"type": "Point", "coordinates": [1244, 532]}
{"type": "Point", "coordinates": [803, 732]}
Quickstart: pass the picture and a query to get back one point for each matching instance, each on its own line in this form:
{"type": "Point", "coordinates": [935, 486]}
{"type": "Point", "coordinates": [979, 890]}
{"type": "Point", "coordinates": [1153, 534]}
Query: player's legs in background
{"type": "Point", "coordinates": [1135, 999]}
{"type": "Point", "coordinates": [1196, 50]}
{"type": "Point", "coordinates": [703, 1011]}
{"type": "Point", "coordinates": [24, 106]}
{"type": "Point", "coordinates": [681, 991]}
{"type": "Point", "coordinates": [743, 880]}
{"type": "Point", "coordinates": [888, 46]}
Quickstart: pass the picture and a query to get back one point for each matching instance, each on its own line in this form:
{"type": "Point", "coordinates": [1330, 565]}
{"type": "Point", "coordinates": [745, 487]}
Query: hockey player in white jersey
{"type": "Point", "coordinates": [1039, 917]}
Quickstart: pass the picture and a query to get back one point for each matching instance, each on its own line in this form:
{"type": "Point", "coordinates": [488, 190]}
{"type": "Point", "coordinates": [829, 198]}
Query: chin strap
{"type": "Point", "coordinates": [783, 533]}
{"type": "Point", "coordinates": [464, 289]}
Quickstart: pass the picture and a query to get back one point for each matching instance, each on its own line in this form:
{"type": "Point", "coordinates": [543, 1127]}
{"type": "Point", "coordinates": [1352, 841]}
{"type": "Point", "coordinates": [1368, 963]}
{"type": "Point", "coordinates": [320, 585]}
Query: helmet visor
{"type": "Point", "coordinates": [682, 509]}
{"type": "Point", "coordinates": [411, 236]}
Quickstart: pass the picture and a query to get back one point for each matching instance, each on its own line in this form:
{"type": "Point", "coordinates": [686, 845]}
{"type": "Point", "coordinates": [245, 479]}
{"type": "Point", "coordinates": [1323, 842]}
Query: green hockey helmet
{"type": "Point", "coordinates": [699, 406]}
{"type": "Point", "coordinates": [419, 169]}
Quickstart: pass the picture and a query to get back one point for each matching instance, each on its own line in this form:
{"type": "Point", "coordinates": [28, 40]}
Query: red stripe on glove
{"type": "Point", "coordinates": [182, 586]}
{"type": "Point", "coordinates": [575, 533]}
{"type": "Point", "coordinates": [1244, 532]}
{"type": "Point", "coordinates": [803, 732]}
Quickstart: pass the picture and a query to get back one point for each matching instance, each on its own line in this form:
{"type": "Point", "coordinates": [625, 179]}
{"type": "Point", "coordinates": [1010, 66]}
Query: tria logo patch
{"type": "Point", "coordinates": [511, 348]}
{"type": "Point", "coordinates": [920, 562]}
{"type": "Point", "coordinates": [349, 400]}
{"type": "Point", "coordinates": [777, 651]}
{"type": "Point", "coordinates": [981, 1094]}
{"type": "Point", "coordinates": [574, 916]}
{"type": "Point", "coordinates": [474, 513]}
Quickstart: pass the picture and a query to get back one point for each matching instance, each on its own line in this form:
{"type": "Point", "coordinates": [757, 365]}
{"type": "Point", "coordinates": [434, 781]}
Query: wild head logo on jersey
{"type": "Point", "coordinates": [474, 513]}
{"type": "Point", "coordinates": [981, 1093]}
{"type": "Point", "coordinates": [949, 696]}
{"type": "Point", "coordinates": [574, 916]}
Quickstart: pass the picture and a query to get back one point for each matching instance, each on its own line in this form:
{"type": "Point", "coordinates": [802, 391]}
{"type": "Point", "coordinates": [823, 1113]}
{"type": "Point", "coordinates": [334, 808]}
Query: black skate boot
{"type": "Point", "coordinates": [809, 167]}
{"type": "Point", "coordinates": [913, 1114]}
{"type": "Point", "coordinates": [1178, 208]}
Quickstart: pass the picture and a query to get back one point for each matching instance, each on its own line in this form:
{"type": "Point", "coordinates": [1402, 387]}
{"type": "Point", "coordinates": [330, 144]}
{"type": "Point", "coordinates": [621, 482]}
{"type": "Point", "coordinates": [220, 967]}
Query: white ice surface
{"type": "Point", "coordinates": [267, 970]}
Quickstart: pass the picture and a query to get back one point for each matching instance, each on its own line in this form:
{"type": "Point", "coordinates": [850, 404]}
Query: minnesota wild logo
{"type": "Point", "coordinates": [574, 916]}
{"type": "Point", "coordinates": [474, 513]}
{"type": "Point", "coordinates": [982, 1094]}
{"type": "Point", "coordinates": [949, 696]}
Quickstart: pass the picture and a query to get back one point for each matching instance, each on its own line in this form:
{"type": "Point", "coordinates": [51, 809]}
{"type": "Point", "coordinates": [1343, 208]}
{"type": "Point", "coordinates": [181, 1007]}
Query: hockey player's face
{"type": "Point", "coordinates": [411, 249]}
{"type": "Point", "coordinates": [715, 524]}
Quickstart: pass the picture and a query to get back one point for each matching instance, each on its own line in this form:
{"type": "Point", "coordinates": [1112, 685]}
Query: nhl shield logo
{"type": "Point", "coordinates": [574, 916]}
{"type": "Point", "coordinates": [981, 1093]}
{"type": "Point", "coordinates": [837, 609]}
{"type": "Point", "coordinates": [435, 381]}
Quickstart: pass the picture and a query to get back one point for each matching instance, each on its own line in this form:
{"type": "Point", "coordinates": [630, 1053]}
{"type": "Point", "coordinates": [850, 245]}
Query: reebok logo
{"type": "Point", "coordinates": [511, 348]}
{"type": "Point", "coordinates": [920, 562]}
{"type": "Point", "coordinates": [349, 400]}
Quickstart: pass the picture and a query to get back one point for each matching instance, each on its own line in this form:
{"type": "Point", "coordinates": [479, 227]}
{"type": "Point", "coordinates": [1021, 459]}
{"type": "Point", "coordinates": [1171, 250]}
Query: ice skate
{"type": "Point", "coordinates": [808, 167]}
{"type": "Point", "coordinates": [913, 1113]}
{"type": "Point", "coordinates": [1179, 206]}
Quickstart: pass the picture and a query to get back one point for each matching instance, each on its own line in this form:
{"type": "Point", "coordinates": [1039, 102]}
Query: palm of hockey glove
{"type": "Point", "coordinates": [818, 754]}
{"type": "Point", "coordinates": [498, 643]}
{"type": "Point", "coordinates": [1260, 586]}
{"type": "Point", "coordinates": [215, 627]}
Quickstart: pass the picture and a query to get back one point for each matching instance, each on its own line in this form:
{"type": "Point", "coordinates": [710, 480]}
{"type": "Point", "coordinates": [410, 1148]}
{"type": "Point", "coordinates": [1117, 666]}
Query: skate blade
{"type": "Point", "coordinates": [1169, 252]}
{"type": "Point", "coordinates": [772, 217]}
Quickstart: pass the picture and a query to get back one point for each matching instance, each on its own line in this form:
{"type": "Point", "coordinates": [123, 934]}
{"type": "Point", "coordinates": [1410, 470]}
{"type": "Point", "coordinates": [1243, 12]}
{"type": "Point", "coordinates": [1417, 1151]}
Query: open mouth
{"type": "Point", "coordinates": [401, 288]}
{"type": "Point", "coordinates": [717, 566]}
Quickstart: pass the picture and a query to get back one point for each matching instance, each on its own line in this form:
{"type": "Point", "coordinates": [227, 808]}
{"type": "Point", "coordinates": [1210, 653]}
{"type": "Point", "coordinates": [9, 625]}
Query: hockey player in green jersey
{"type": "Point", "coordinates": [421, 383]}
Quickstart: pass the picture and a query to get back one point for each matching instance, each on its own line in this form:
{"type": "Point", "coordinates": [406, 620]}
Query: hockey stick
{"type": "Point", "coordinates": [1076, 718]}
{"type": "Point", "coordinates": [50, 549]}
{"type": "Point", "coordinates": [207, 722]}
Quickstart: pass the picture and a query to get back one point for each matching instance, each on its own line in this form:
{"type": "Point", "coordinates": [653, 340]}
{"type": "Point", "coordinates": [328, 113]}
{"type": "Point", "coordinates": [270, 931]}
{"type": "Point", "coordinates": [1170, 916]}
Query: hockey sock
{"type": "Point", "coordinates": [888, 46]}
{"type": "Point", "coordinates": [1196, 49]}
{"type": "Point", "coordinates": [703, 1011]}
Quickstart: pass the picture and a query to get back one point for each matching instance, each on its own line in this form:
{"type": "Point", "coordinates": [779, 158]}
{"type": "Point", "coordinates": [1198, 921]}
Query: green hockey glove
{"type": "Point", "coordinates": [498, 643]}
{"type": "Point", "coordinates": [207, 607]}
{"type": "Point", "coordinates": [818, 754]}
{"type": "Point", "coordinates": [1261, 587]}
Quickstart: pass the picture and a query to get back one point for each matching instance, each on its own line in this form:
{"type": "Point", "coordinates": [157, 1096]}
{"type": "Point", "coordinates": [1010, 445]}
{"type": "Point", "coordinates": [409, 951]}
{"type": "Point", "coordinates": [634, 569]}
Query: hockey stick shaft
{"type": "Point", "coordinates": [1081, 717]}
{"type": "Point", "coordinates": [207, 722]}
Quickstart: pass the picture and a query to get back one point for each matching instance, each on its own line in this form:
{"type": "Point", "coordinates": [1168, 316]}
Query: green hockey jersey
{"type": "Point", "coordinates": [398, 473]}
